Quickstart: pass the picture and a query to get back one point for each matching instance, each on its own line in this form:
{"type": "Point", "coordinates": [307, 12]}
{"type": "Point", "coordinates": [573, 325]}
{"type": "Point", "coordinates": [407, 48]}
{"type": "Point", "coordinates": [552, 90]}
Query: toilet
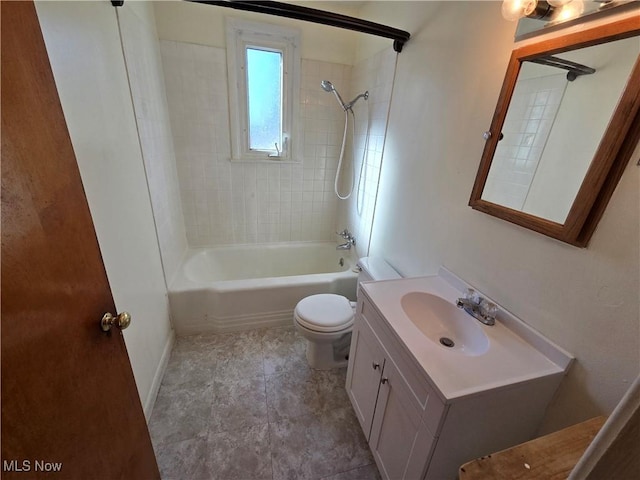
{"type": "Point", "coordinates": [326, 319]}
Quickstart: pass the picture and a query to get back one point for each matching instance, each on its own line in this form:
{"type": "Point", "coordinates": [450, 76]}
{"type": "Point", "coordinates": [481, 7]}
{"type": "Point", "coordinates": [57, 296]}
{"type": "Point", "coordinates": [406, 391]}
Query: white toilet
{"type": "Point", "coordinates": [326, 319]}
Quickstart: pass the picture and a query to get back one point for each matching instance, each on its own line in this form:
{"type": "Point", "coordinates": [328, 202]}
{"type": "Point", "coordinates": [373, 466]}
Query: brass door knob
{"type": "Point", "coordinates": [122, 321]}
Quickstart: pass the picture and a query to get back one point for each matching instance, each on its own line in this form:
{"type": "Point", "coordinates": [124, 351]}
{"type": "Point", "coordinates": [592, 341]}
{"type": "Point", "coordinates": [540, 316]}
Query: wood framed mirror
{"type": "Point", "coordinates": [565, 126]}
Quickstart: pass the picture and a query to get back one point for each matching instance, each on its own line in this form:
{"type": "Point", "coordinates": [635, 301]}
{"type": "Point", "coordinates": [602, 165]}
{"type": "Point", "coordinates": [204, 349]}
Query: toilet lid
{"type": "Point", "coordinates": [325, 312]}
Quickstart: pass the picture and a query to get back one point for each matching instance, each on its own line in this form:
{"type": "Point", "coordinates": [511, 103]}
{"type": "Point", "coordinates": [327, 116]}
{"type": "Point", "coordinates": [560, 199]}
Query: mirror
{"type": "Point", "coordinates": [566, 124]}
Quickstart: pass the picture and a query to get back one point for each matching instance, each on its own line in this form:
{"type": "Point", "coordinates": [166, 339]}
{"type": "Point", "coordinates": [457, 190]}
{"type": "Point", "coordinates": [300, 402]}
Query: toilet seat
{"type": "Point", "coordinates": [324, 313]}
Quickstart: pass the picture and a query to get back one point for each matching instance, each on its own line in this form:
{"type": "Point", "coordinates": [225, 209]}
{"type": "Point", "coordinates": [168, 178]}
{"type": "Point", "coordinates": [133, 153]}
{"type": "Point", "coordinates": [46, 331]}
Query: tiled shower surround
{"type": "Point", "coordinates": [374, 74]}
{"type": "Point", "coordinates": [228, 202]}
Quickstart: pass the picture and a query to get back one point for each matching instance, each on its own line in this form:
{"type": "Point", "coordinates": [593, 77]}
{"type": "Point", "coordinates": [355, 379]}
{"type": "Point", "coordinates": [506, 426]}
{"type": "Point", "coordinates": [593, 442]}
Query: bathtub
{"type": "Point", "coordinates": [224, 289]}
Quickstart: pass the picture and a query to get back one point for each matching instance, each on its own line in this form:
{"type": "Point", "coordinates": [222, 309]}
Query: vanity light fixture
{"type": "Point", "coordinates": [513, 10]}
{"type": "Point", "coordinates": [567, 11]}
{"type": "Point", "coordinates": [556, 11]}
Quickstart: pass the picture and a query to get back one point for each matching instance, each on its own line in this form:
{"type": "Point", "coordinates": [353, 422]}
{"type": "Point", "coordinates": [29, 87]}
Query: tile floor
{"type": "Point", "coordinates": [247, 406]}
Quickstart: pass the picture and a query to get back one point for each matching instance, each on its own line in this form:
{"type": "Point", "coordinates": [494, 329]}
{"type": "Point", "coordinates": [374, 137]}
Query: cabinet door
{"type": "Point", "coordinates": [366, 361]}
{"type": "Point", "coordinates": [400, 443]}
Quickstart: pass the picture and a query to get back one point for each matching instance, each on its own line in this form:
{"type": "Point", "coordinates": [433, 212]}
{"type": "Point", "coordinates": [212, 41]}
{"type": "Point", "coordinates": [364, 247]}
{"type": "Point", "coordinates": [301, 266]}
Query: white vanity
{"type": "Point", "coordinates": [427, 407]}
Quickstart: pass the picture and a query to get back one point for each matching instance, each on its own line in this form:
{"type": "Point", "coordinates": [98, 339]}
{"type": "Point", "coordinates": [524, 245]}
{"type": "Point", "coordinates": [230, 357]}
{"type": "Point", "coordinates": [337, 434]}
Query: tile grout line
{"type": "Point", "coordinates": [266, 404]}
{"type": "Point", "coordinates": [346, 471]}
{"type": "Point", "coordinates": [208, 447]}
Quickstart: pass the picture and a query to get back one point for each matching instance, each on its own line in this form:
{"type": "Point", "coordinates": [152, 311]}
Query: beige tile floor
{"type": "Point", "coordinates": [247, 406]}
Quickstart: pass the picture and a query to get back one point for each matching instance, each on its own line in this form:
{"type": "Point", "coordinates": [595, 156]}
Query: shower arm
{"type": "Point", "coordinates": [327, 86]}
{"type": "Point", "coordinates": [364, 95]}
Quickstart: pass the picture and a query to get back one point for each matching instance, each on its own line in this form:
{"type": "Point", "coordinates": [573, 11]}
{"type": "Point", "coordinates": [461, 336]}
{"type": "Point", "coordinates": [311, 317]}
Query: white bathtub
{"type": "Point", "coordinates": [225, 289]}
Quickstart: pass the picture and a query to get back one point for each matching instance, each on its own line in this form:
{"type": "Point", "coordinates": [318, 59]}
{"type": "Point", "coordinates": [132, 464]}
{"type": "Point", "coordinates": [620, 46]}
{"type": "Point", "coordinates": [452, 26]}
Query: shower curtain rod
{"type": "Point", "coordinates": [399, 37]}
{"type": "Point", "coordinates": [575, 69]}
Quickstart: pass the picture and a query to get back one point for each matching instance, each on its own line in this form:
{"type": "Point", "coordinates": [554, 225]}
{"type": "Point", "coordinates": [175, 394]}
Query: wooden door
{"type": "Point", "coordinates": [69, 399]}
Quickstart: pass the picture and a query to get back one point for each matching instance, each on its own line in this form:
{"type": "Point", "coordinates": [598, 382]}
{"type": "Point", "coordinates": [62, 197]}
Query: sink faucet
{"type": "Point", "coordinates": [350, 240]}
{"type": "Point", "coordinates": [478, 307]}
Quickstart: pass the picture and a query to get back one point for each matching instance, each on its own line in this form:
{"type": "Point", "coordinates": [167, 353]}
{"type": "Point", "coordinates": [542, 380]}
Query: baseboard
{"type": "Point", "coordinates": [157, 378]}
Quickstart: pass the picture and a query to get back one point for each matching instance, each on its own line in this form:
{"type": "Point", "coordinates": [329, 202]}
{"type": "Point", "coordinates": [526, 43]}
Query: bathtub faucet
{"type": "Point", "coordinates": [350, 240]}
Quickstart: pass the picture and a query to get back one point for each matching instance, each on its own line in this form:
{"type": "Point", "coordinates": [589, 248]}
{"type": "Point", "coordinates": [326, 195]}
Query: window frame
{"type": "Point", "coordinates": [242, 34]}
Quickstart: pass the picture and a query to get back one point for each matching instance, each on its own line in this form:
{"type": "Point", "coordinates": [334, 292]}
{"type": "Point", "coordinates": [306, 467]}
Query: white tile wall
{"type": "Point", "coordinates": [375, 74]}
{"type": "Point", "coordinates": [532, 111]}
{"type": "Point", "coordinates": [239, 203]}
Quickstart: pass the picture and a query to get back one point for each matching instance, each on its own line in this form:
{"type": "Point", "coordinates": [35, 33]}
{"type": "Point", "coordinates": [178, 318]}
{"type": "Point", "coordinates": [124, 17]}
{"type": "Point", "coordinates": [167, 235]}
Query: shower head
{"type": "Point", "coordinates": [327, 86]}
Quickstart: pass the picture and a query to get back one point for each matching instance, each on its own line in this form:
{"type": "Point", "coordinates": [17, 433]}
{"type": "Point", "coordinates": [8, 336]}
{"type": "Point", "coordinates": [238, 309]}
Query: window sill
{"type": "Point", "coordinates": [266, 159]}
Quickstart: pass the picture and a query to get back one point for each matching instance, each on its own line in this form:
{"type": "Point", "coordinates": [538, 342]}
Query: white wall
{"type": "Point", "coordinates": [144, 68]}
{"type": "Point", "coordinates": [86, 58]}
{"type": "Point", "coordinates": [447, 83]}
{"type": "Point", "coordinates": [204, 25]}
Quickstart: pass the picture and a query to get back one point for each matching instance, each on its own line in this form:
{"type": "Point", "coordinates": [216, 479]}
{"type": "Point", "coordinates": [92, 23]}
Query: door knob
{"type": "Point", "coordinates": [384, 380]}
{"type": "Point", "coordinates": [487, 135]}
{"type": "Point", "coordinates": [122, 321]}
{"type": "Point", "coordinates": [375, 365]}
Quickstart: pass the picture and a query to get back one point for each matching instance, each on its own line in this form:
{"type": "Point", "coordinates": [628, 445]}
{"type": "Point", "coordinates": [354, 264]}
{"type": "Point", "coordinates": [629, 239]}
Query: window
{"type": "Point", "coordinates": [264, 98]}
{"type": "Point", "coordinates": [264, 80]}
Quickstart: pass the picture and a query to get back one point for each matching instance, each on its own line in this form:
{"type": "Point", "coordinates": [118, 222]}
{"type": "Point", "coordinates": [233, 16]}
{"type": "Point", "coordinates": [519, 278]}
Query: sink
{"type": "Point", "coordinates": [445, 324]}
{"type": "Point", "coordinates": [420, 311]}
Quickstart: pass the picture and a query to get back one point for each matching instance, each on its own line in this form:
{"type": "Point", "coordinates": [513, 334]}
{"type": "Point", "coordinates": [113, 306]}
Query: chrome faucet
{"type": "Point", "coordinates": [478, 307]}
{"type": "Point", "coordinates": [350, 240]}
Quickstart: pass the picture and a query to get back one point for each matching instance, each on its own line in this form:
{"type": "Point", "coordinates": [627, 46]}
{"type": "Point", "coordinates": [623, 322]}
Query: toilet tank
{"type": "Point", "coordinates": [373, 268]}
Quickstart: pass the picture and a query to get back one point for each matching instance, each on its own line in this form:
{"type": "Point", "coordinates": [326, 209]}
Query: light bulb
{"type": "Point", "coordinates": [558, 3]}
{"type": "Point", "coordinates": [513, 10]}
{"type": "Point", "coordinates": [569, 11]}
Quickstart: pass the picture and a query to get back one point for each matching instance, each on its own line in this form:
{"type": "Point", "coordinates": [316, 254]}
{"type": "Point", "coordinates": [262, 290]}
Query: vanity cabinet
{"type": "Point", "coordinates": [414, 431]}
{"type": "Point", "coordinates": [390, 407]}
{"type": "Point", "coordinates": [365, 374]}
{"type": "Point", "coordinates": [398, 440]}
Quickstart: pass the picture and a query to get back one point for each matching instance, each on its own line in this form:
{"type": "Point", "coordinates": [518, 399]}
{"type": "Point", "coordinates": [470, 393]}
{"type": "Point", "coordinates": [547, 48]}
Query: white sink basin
{"type": "Point", "coordinates": [445, 324]}
{"type": "Point", "coordinates": [421, 310]}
